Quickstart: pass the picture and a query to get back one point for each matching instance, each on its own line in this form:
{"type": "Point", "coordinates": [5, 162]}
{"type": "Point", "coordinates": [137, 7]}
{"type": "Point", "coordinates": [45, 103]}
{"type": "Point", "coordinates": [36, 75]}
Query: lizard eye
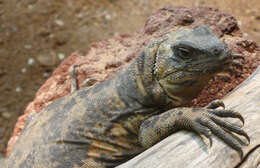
{"type": "Point", "coordinates": [183, 53]}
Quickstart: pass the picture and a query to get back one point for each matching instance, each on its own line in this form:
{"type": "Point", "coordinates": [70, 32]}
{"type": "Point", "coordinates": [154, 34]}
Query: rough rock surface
{"type": "Point", "coordinates": [103, 59]}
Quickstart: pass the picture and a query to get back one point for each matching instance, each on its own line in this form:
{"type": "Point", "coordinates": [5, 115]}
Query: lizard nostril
{"type": "Point", "coordinates": [217, 51]}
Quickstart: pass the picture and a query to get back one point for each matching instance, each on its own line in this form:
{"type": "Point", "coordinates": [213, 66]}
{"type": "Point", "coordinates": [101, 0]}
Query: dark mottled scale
{"type": "Point", "coordinates": [77, 129]}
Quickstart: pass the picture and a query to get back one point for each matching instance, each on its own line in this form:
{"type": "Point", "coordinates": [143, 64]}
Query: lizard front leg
{"type": "Point", "coordinates": [203, 121]}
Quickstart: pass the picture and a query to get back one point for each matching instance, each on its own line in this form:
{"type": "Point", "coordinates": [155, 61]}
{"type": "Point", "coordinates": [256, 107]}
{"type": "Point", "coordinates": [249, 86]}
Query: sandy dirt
{"type": "Point", "coordinates": [36, 35]}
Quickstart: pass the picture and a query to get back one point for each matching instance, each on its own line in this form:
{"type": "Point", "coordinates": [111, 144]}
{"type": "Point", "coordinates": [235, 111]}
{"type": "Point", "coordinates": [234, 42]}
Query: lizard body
{"type": "Point", "coordinates": [113, 121]}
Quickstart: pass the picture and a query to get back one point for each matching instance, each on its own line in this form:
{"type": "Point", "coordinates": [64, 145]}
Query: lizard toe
{"type": "Point", "coordinates": [227, 113]}
{"type": "Point", "coordinates": [73, 78]}
{"type": "Point", "coordinates": [222, 134]}
{"type": "Point", "coordinates": [238, 56]}
{"type": "Point", "coordinates": [224, 77]}
{"type": "Point", "coordinates": [215, 104]}
{"type": "Point", "coordinates": [237, 64]}
{"type": "Point", "coordinates": [203, 132]}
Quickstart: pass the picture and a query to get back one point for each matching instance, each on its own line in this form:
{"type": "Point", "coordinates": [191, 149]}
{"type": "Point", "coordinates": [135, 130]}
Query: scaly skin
{"type": "Point", "coordinates": [114, 121]}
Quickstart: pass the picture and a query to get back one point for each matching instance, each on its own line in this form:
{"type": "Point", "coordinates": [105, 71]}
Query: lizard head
{"type": "Point", "coordinates": [185, 61]}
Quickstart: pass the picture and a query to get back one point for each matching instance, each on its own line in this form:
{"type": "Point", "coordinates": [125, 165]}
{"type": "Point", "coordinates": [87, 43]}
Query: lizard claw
{"type": "Point", "coordinates": [88, 82]}
{"type": "Point", "coordinates": [73, 78]}
{"type": "Point", "coordinates": [215, 104]}
{"type": "Point", "coordinates": [224, 76]}
{"type": "Point", "coordinates": [238, 56]}
{"type": "Point", "coordinates": [231, 127]}
{"type": "Point", "coordinates": [237, 64]}
{"type": "Point", "coordinates": [220, 132]}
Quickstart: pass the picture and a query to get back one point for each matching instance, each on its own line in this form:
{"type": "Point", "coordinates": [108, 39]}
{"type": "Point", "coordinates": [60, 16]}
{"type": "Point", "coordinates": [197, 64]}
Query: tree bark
{"type": "Point", "coordinates": [186, 149]}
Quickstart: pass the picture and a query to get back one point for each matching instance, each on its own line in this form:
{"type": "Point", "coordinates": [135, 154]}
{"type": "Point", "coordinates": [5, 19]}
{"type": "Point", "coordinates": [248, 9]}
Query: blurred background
{"type": "Point", "coordinates": [36, 35]}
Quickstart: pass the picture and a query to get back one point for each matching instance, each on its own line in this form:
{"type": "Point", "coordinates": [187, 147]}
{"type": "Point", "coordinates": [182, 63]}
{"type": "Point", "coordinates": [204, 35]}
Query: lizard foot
{"type": "Point", "coordinates": [205, 121]}
{"type": "Point", "coordinates": [231, 70]}
{"type": "Point", "coordinates": [74, 81]}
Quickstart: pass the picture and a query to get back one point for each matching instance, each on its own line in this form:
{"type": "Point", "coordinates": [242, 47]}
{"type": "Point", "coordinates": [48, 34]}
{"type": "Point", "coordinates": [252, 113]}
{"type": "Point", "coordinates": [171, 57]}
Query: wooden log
{"type": "Point", "coordinates": [186, 150]}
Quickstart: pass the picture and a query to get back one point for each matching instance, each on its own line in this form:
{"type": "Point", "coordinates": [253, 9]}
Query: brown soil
{"type": "Point", "coordinates": [36, 35]}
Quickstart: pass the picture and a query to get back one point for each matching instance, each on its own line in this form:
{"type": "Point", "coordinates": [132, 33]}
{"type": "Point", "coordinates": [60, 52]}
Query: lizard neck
{"type": "Point", "coordinates": [140, 86]}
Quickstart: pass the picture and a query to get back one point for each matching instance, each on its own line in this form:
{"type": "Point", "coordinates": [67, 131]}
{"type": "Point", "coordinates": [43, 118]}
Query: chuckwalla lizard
{"type": "Point", "coordinates": [113, 121]}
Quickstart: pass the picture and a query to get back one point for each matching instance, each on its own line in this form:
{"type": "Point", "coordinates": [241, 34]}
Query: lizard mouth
{"type": "Point", "coordinates": [200, 69]}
